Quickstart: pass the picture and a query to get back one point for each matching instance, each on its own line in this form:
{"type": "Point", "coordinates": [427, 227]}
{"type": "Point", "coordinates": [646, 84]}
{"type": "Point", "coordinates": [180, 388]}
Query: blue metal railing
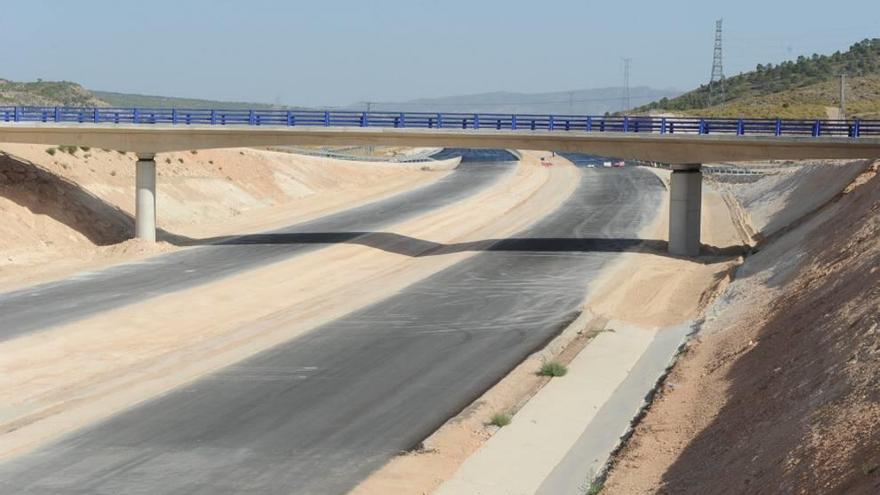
{"type": "Point", "coordinates": [427, 120]}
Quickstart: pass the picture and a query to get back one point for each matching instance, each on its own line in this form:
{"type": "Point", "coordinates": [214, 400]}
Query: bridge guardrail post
{"type": "Point", "coordinates": [778, 127]}
{"type": "Point", "coordinates": [625, 124]}
{"type": "Point", "coordinates": [439, 121]}
{"type": "Point", "coordinates": [252, 118]}
{"type": "Point", "coordinates": [402, 120]}
{"type": "Point", "coordinates": [16, 114]}
{"type": "Point", "coordinates": [135, 116]}
{"type": "Point", "coordinates": [96, 118]}
{"type": "Point", "coordinates": [702, 129]}
{"type": "Point", "coordinates": [856, 130]}
{"type": "Point", "coordinates": [326, 118]}
{"type": "Point", "coordinates": [589, 123]}
{"type": "Point", "coordinates": [551, 124]}
{"type": "Point", "coordinates": [289, 118]}
{"type": "Point", "coordinates": [816, 129]}
{"type": "Point", "coordinates": [663, 125]}
{"type": "Point", "coordinates": [513, 122]}
{"type": "Point", "coordinates": [363, 119]}
{"type": "Point", "coordinates": [213, 117]}
{"type": "Point", "coordinates": [476, 121]}
{"type": "Point", "coordinates": [174, 116]}
{"type": "Point", "coordinates": [57, 114]}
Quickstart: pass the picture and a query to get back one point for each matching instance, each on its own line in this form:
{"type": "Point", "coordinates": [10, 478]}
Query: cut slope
{"type": "Point", "coordinates": [778, 394]}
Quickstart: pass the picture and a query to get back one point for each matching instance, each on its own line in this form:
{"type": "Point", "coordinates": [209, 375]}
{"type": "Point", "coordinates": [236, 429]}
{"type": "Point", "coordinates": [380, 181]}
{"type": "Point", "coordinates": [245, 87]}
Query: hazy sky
{"type": "Point", "coordinates": [334, 52]}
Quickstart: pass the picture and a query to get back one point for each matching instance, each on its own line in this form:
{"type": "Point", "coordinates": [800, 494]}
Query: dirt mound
{"type": "Point", "coordinates": [779, 393]}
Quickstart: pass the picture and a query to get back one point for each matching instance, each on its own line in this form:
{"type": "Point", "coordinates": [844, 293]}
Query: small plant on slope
{"type": "Point", "coordinates": [500, 419]}
{"type": "Point", "coordinates": [553, 368]}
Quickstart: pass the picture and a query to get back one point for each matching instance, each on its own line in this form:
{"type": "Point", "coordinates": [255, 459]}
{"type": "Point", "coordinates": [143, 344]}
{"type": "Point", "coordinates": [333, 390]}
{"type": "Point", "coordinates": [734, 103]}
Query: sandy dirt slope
{"type": "Point", "coordinates": [74, 210]}
{"type": "Point", "coordinates": [779, 392]}
{"type": "Point", "coordinates": [61, 379]}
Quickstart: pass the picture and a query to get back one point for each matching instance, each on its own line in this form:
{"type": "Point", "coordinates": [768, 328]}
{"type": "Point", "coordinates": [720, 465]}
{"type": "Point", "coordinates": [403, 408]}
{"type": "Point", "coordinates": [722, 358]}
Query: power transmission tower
{"type": "Point", "coordinates": [842, 115]}
{"type": "Point", "coordinates": [716, 82]}
{"type": "Point", "coordinates": [626, 100]}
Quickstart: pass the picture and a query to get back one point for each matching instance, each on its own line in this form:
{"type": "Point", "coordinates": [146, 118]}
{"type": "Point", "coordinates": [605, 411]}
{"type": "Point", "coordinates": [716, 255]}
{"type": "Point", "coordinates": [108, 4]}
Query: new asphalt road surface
{"type": "Point", "coordinates": [45, 305]}
{"type": "Point", "coordinates": [316, 415]}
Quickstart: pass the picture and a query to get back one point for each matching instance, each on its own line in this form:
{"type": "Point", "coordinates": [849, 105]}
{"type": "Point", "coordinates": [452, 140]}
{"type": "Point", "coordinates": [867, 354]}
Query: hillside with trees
{"type": "Point", "coordinates": [804, 88]}
{"type": "Point", "coordinates": [47, 93]}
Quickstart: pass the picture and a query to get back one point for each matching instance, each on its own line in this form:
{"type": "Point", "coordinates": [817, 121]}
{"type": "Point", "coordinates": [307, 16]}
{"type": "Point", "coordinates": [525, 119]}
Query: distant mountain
{"type": "Point", "coordinates": [151, 101]}
{"type": "Point", "coordinates": [804, 88]}
{"type": "Point", "coordinates": [47, 93]}
{"type": "Point", "coordinates": [581, 101]}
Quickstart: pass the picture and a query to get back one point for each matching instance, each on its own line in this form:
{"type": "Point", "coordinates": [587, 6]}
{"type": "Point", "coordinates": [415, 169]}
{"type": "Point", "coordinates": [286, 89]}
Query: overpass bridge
{"type": "Point", "coordinates": [684, 143]}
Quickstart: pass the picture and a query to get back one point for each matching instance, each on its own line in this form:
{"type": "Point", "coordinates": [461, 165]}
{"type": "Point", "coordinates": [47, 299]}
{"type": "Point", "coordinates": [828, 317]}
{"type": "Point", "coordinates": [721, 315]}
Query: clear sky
{"type": "Point", "coordinates": [335, 52]}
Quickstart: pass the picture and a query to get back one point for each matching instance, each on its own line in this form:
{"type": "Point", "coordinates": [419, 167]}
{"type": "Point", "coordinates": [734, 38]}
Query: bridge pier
{"type": "Point", "coordinates": [685, 198]}
{"type": "Point", "coordinates": [145, 197]}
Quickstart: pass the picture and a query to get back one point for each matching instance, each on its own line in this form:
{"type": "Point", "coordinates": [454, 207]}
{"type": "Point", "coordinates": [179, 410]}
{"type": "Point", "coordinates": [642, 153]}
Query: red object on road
{"type": "Point", "coordinates": [546, 163]}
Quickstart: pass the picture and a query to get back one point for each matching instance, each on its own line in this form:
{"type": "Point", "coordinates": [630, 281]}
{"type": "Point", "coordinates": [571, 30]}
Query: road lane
{"type": "Point", "coordinates": [82, 295]}
{"type": "Point", "coordinates": [318, 414]}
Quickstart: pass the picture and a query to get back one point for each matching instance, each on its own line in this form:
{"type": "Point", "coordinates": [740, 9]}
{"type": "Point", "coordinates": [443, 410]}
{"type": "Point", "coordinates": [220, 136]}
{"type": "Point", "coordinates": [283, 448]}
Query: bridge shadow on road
{"type": "Point", "coordinates": [414, 247]}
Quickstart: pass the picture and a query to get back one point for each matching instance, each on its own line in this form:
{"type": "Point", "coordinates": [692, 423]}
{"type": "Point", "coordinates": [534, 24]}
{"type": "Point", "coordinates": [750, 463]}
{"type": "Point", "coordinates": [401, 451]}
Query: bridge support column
{"type": "Point", "coordinates": [685, 198]}
{"type": "Point", "coordinates": [145, 199]}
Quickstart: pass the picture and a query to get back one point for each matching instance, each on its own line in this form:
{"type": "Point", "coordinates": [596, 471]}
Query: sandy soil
{"type": "Point", "coordinates": [670, 290]}
{"type": "Point", "coordinates": [665, 290]}
{"type": "Point", "coordinates": [58, 380]}
{"type": "Point", "coordinates": [67, 212]}
{"type": "Point", "coordinates": [778, 393]}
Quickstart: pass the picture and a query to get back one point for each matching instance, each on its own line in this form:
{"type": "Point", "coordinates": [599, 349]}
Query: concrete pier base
{"type": "Point", "coordinates": [685, 198]}
{"type": "Point", "coordinates": [145, 199]}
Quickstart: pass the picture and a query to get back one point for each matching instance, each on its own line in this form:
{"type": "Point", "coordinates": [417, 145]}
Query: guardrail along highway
{"type": "Point", "coordinates": [685, 143]}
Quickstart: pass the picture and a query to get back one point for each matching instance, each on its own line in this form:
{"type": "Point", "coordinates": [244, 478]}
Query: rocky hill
{"type": "Point", "coordinates": [47, 93]}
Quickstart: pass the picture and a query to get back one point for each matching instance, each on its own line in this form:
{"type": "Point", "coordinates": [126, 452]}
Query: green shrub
{"type": "Point", "coordinates": [553, 368]}
{"type": "Point", "coordinates": [51, 151]}
{"type": "Point", "coordinates": [500, 419]}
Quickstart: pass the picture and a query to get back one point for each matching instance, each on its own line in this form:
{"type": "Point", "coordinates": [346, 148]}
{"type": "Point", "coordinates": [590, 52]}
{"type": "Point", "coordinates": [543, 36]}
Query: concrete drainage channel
{"type": "Point", "coordinates": [598, 447]}
{"type": "Point", "coordinates": [547, 449]}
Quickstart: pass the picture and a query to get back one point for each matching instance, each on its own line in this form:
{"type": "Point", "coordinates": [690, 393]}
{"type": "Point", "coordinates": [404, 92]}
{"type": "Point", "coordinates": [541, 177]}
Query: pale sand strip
{"type": "Point", "coordinates": [57, 381]}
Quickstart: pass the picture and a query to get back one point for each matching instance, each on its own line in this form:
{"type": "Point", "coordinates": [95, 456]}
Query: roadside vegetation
{"type": "Point", "coordinates": [553, 368]}
{"type": "Point", "coordinates": [501, 419]}
{"type": "Point", "coordinates": [800, 88]}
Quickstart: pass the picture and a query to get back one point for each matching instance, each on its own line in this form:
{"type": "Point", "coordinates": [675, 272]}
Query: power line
{"type": "Point", "coordinates": [716, 82]}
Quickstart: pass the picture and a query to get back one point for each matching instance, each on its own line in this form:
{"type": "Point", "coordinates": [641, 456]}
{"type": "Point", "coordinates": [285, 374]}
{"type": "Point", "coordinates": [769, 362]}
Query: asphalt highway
{"type": "Point", "coordinates": [45, 305]}
{"type": "Point", "coordinates": [318, 414]}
